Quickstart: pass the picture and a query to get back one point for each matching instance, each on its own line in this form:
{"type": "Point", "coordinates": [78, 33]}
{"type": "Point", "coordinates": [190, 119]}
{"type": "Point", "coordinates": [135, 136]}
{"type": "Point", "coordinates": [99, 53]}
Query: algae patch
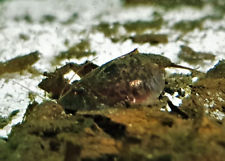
{"type": "Point", "coordinates": [187, 26]}
{"type": "Point", "coordinates": [5, 120]}
{"type": "Point", "coordinates": [27, 18]}
{"type": "Point", "coordinates": [153, 39]}
{"type": "Point", "coordinates": [192, 57]}
{"type": "Point", "coordinates": [166, 4]}
{"type": "Point", "coordinates": [109, 30]}
{"type": "Point", "coordinates": [218, 71]}
{"type": "Point", "coordinates": [140, 26]}
{"type": "Point", "coordinates": [24, 37]}
{"type": "Point", "coordinates": [48, 18]}
{"type": "Point", "coordinates": [71, 19]}
{"type": "Point", "coordinates": [20, 63]}
{"type": "Point", "coordinates": [78, 51]}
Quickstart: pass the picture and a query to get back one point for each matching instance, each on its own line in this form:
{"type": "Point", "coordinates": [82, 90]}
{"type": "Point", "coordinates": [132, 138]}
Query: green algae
{"type": "Point", "coordinates": [20, 63]}
{"type": "Point", "coordinates": [2, 1]}
{"type": "Point", "coordinates": [153, 39]}
{"type": "Point", "coordinates": [109, 30]}
{"type": "Point", "coordinates": [48, 18]}
{"type": "Point", "coordinates": [5, 120]}
{"type": "Point", "coordinates": [219, 6]}
{"type": "Point", "coordinates": [218, 71]}
{"type": "Point", "coordinates": [27, 18]}
{"type": "Point", "coordinates": [166, 4]}
{"type": "Point", "coordinates": [192, 57]}
{"type": "Point", "coordinates": [187, 26]}
{"type": "Point", "coordinates": [24, 37]}
{"type": "Point", "coordinates": [71, 19]}
{"type": "Point", "coordinates": [78, 51]}
{"type": "Point", "coordinates": [140, 26]}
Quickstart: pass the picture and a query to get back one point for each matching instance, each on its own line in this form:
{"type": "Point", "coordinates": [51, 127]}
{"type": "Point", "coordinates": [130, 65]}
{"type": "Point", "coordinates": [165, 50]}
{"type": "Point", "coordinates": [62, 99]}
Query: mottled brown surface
{"type": "Point", "coordinates": [150, 134]}
{"type": "Point", "coordinates": [153, 39]}
{"type": "Point", "coordinates": [20, 63]}
{"type": "Point", "coordinates": [194, 131]}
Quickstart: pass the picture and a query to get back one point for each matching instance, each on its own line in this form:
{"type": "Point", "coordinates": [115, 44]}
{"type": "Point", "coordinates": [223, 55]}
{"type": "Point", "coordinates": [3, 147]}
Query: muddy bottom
{"type": "Point", "coordinates": [163, 131]}
{"type": "Point", "coordinates": [193, 131]}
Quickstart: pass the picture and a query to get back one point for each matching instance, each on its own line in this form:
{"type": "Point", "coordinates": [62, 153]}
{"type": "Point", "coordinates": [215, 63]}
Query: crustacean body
{"type": "Point", "coordinates": [132, 79]}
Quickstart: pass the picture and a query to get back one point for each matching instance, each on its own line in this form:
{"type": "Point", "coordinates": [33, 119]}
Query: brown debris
{"type": "Point", "coordinates": [150, 38]}
{"type": "Point", "coordinates": [192, 57]}
{"type": "Point", "coordinates": [20, 63]}
{"type": "Point", "coordinates": [141, 26]}
{"type": "Point", "coordinates": [126, 134]}
{"type": "Point", "coordinates": [78, 51]}
{"type": "Point", "coordinates": [207, 95]}
{"type": "Point", "coordinates": [57, 85]}
{"type": "Point", "coordinates": [218, 71]}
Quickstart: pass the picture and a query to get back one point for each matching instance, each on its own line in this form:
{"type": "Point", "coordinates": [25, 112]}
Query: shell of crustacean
{"type": "Point", "coordinates": [131, 79]}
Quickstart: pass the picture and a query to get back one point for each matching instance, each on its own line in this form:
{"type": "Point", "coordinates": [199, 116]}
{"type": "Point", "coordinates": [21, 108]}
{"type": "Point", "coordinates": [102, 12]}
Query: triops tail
{"type": "Point", "coordinates": [182, 67]}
